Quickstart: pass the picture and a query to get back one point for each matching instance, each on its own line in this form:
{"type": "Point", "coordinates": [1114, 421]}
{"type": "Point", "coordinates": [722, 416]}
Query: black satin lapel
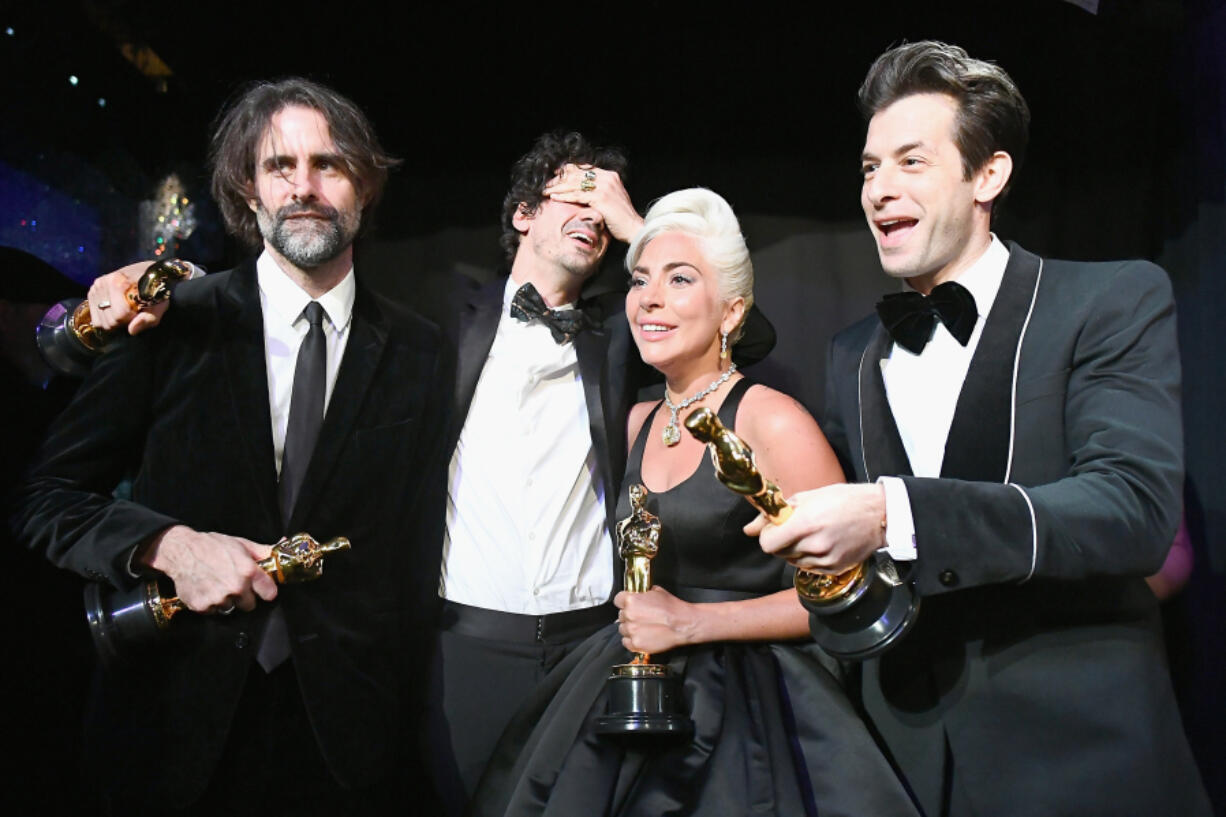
{"type": "Point", "coordinates": [978, 444]}
{"type": "Point", "coordinates": [363, 353]}
{"type": "Point", "coordinates": [478, 325]}
{"type": "Point", "coordinates": [242, 341]}
{"type": "Point", "coordinates": [592, 349]}
{"type": "Point", "coordinates": [882, 451]}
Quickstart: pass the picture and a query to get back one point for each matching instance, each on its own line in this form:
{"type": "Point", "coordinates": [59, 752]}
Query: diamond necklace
{"type": "Point", "coordinates": [672, 434]}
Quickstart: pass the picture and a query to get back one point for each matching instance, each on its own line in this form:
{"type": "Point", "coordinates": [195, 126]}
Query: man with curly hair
{"type": "Point", "coordinates": [541, 399]}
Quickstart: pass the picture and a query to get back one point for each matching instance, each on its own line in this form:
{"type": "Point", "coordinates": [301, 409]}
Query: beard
{"type": "Point", "coordinates": [308, 242]}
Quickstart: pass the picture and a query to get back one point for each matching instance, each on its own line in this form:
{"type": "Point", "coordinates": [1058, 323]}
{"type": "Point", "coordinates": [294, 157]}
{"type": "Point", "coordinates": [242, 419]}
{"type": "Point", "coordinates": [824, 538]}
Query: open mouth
{"type": "Point", "coordinates": [583, 237]}
{"type": "Point", "coordinates": [655, 331]}
{"type": "Point", "coordinates": [894, 230]}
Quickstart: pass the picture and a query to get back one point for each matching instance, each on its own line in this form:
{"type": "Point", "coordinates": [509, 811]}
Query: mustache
{"type": "Point", "coordinates": [308, 208]}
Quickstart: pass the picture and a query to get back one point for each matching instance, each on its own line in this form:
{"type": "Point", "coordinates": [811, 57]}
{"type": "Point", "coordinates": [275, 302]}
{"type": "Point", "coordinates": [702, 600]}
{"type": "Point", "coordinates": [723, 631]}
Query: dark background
{"type": "Point", "coordinates": [1127, 159]}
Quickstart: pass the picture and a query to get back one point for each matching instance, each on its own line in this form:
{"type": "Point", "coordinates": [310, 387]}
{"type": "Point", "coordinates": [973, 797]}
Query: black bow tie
{"type": "Point", "coordinates": [910, 317]}
{"type": "Point", "coordinates": [564, 324]}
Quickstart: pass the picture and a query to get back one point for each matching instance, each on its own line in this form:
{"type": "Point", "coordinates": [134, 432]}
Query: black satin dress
{"type": "Point", "coordinates": [774, 733]}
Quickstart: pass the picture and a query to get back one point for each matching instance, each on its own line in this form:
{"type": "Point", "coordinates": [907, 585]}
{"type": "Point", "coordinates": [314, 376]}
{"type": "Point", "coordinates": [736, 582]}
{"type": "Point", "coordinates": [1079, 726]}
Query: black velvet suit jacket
{"type": "Point", "coordinates": [186, 409]}
{"type": "Point", "coordinates": [1036, 657]}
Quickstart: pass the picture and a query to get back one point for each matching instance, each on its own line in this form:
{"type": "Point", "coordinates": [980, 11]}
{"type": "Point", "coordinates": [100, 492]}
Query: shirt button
{"type": "Point", "coordinates": [531, 535]}
{"type": "Point", "coordinates": [948, 578]}
{"type": "Point", "coordinates": [536, 591]}
{"type": "Point", "coordinates": [242, 640]}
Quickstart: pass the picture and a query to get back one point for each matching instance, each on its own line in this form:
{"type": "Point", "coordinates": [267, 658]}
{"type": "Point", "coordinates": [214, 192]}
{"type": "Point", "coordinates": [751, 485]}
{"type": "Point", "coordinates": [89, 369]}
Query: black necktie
{"type": "Point", "coordinates": [910, 317]}
{"type": "Point", "coordinates": [306, 410]}
{"type": "Point", "coordinates": [564, 324]}
{"type": "Point", "coordinates": [306, 415]}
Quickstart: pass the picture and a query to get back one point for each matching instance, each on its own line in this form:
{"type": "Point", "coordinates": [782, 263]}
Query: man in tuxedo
{"type": "Point", "coordinates": [1013, 427]}
{"type": "Point", "coordinates": [280, 396]}
{"type": "Point", "coordinates": [543, 386]}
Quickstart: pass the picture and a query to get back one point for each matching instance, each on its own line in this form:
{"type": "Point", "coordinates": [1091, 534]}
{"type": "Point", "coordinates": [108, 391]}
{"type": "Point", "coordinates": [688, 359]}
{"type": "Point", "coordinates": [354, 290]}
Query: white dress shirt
{"type": "Point", "coordinates": [285, 327]}
{"type": "Point", "coordinates": [923, 394]}
{"type": "Point", "coordinates": [526, 526]}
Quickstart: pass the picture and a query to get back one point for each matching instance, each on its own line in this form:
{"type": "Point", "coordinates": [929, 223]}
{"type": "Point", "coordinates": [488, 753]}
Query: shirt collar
{"type": "Point", "coordinates": [982, 279]}
{"type": "Point", "coordinates": [284, 300]}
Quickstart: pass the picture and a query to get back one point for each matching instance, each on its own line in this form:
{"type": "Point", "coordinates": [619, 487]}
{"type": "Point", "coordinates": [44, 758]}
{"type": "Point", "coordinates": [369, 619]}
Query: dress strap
{"type": "Point", "coordinates": [634, 462]}
{"type": "Point", "coordinates": [727, 409]}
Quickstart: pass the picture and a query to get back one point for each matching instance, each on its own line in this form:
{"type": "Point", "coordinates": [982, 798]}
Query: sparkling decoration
{"type": "Point", "coordinates": [168, 216]}
{"type": "Point", "coordinates": [672, 434]}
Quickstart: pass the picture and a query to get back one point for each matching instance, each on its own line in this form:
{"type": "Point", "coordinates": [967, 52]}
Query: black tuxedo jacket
{"type": "Point", "coordinates": [609, 368]}
{"type": "Point", "coordinates": [1036, 662]}
{"type": "Point", "coordinates": [187, 409]}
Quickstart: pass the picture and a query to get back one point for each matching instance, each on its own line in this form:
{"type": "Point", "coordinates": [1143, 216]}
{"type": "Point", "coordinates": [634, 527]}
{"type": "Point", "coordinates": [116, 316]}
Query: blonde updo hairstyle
{"type": "Point", "coordinates": [705, 215]}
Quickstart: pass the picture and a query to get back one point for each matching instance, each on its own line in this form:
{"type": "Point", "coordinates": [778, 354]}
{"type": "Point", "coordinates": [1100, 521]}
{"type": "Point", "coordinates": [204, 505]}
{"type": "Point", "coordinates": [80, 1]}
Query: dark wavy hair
{"type": "Point", "coordinates": [242, 124]}
{"type": "Point", "coordinates": [534, 169]}
{"type": "Point", "coordinates": [992, 115]}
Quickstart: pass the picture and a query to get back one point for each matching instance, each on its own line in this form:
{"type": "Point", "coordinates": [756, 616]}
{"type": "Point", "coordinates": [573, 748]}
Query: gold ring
{"type": "Point", "coordinates": [587, 185]}
{"type": "Point", "coordinates": [104, 304]}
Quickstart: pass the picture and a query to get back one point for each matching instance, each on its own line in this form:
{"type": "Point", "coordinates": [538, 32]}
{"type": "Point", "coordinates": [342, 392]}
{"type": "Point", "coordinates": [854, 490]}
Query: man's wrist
{"type": "Point", "coordinates": [899, 523]}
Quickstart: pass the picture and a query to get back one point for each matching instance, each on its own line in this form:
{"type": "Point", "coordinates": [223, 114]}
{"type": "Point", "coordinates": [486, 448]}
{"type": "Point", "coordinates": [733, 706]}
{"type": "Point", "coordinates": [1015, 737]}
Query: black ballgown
{"type": "Point", "coordinates": [774, 732]}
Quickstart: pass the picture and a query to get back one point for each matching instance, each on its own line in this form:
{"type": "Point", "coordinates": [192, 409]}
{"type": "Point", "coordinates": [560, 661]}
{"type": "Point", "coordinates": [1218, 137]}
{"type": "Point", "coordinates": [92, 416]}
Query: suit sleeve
{"type": "Point", "coordinates": [1114, 508]}
{"type": "Point", "coordinates": [66, 508]}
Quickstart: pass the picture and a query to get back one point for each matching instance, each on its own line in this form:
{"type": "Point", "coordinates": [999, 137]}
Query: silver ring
{"type": "Point", "coordinates": [226, 611]}
{"type": "Point", "coordinates": [590, 175]}
{"type": "Point", "coordinates": [104, 304]}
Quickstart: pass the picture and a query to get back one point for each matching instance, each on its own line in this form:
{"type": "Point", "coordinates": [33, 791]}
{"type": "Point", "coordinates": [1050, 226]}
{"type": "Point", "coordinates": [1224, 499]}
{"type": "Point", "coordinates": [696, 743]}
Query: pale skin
{"type": "Point", "coordinates": [297, 163]}
{"type": "Point", "coordinates": [930, 223]}
{"type": "Point", "coordinates": [563, 242]}
{"type": "Point", "coordinates": [673, 286]}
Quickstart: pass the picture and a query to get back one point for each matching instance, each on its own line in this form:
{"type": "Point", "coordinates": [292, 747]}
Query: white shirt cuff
{"type": "Point", "coordinates": [899, 524]}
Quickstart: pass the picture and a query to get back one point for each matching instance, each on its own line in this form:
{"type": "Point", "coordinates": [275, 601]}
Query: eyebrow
{"type": "Point", "coordinates": [669, 267]}
{"type": "Point", "coordinates": [898, 151]}
{"type": "Point", "coordinates": [274, 161]}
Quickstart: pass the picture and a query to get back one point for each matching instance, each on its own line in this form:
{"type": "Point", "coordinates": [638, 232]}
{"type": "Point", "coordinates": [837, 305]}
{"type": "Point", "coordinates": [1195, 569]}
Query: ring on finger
{"type": "Point", "coordinates": [225, 611]}
{"type": "Point", "coordinates": [587, 185]}
{"type": "Point", "coordinates": [104, 304]}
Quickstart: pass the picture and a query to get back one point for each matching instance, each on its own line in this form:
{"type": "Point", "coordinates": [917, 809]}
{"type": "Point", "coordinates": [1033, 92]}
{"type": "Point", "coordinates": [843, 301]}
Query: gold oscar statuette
{"type": "Point", "coordinates": [855, 614]}
{"type": "Point", "coordinates": [121, 620]}
{"type": "Point", "coordinates": [67, 337]}
{"type": "Point", "coordinates": [643, 697]}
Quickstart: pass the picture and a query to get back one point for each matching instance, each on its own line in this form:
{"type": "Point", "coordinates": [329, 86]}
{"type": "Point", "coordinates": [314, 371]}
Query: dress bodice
{"type": "Point", "coordinates": [701, 542]}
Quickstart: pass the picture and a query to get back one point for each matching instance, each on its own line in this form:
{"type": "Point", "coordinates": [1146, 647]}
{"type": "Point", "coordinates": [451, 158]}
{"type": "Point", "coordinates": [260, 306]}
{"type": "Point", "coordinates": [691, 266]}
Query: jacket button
{"type": "Point", "coordinates": [241, 640]}
{"type": "Point", "coordinates": [948, 578]}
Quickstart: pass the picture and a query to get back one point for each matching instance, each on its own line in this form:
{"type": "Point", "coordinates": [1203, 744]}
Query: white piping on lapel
{"type": "Point", "coordinates": [860, 407]}
{"type": "Point", "coordinates": [1017, 359]}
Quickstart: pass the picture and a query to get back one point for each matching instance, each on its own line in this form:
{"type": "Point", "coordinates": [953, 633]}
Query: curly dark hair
{"type": "Point", "coordinates": [534, 169]}
{"type": "Point", "coordinates": [242, 124]}
{"type": "Point", "coordinates": [992, 115]}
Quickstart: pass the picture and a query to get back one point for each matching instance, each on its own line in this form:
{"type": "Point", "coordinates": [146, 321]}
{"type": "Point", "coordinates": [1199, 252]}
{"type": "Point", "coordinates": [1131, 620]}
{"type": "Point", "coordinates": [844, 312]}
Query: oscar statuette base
{"type": "Point", "coordinates": [643, 700]}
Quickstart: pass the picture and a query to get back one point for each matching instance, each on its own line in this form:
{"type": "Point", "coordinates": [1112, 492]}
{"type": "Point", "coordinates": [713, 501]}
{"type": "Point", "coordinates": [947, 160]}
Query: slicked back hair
{"type": "Point", "coordinates": [241, 127]}
{"type": "Point", "coordinates": [534, 169]}
{"type": "Point", "coordinates": [992, 115]}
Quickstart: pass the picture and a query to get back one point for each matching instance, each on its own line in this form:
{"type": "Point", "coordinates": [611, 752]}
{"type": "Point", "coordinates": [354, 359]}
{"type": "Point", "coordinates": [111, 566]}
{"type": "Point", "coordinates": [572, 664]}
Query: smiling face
{"type": "Point", "coordinates": [307, 207]}
{"type": "Point", "coordinates": [674, 306]}
{"type": "Point", "coordinates": [929, 221]}
{"type": "Point", "coordinates": [563, 237]}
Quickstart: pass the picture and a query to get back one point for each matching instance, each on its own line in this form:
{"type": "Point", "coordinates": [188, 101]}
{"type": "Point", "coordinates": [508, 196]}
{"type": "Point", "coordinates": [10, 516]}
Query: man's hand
{"type": "Point", "coordinates": [656, 621]}
{"type": "Point", "coordinates": [212, 572]}
{"type": "Point", "coordinates": [608, 196]}
{"type": "Point", "coordinates": [832, 529]}
{"type": "Point", "coordinates": [110, 289]}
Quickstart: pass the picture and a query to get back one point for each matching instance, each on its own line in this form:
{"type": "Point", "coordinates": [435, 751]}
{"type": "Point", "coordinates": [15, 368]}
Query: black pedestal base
{"type": "Point", "coordinates": [643, 700]}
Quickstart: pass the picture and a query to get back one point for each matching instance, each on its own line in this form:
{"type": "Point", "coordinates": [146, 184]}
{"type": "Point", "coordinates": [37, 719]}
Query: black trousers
{"type": "Point", "coordinates": [487, 662]}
